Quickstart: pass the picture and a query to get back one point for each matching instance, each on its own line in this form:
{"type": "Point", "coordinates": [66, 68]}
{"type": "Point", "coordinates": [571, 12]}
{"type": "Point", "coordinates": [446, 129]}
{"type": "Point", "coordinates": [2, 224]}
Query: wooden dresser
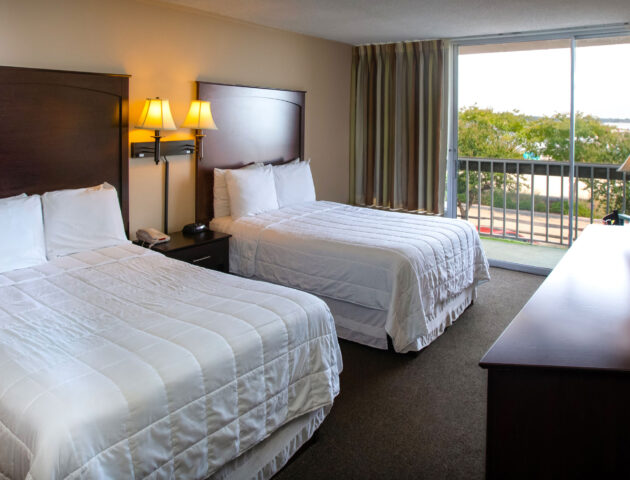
{"type": "Point", "coordinates": [559, 375]}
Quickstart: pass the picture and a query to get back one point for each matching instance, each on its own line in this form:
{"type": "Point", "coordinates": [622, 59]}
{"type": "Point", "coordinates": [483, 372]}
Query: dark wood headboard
{"type": "Point", "coordinates": [254, 125]}
{"type": "Point", "coordinates": [62, 129]}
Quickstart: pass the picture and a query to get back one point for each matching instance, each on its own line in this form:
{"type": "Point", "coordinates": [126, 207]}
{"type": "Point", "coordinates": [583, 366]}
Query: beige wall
{"type": "Point", "coordinates": [165, 49]}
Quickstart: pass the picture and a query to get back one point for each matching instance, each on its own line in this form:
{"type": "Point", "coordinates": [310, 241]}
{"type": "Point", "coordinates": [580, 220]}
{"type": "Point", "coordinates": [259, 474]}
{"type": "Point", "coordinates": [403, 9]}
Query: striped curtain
{"type": "Point", "coordinates": [398, 134]}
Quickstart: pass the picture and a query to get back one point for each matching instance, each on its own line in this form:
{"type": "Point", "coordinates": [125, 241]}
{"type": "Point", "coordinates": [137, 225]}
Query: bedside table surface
{"type": "Point", "coordinates": [180, 241]}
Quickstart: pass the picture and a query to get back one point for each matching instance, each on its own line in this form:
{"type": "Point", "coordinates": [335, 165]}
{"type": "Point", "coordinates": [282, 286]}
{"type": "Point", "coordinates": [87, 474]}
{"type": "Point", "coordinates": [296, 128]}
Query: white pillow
{"type": "Point", "coordinates": [251, 191]}
{"type": "Point", "coordinates": [21, 232]}
{"type": "Point", "coordinates": [221, 199]}
{"type": "Point", "coordinates": [82, 219]}
{"type": "Point", "coordinates": [14, 197]}
{"type": "Point", "coordinates": [294, 183]}
{"type": "Point", "coordinates": [290, 162]}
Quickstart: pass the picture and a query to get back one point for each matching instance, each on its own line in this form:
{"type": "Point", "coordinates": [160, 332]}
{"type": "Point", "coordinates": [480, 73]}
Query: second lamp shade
{"type": "Point", "coordinates": [199, 116]}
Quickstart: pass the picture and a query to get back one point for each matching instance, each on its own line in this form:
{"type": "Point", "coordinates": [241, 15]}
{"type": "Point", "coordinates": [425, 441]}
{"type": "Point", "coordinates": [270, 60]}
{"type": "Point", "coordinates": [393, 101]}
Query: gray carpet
{"type": "Point", "coordinates": [422, 416]}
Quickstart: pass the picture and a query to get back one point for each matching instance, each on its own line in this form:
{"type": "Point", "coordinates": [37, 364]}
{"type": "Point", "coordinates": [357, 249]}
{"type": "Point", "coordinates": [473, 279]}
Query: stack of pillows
{"type": "Point", "coordinates": [258, 188]}
{"type": "Point", "coordinates": [37, 228]}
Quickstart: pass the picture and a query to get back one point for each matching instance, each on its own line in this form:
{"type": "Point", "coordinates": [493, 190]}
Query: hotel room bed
{"type": "Point", "coordinates": [381, 273]}
{"type": "Point", "coordinates": [122, 363]}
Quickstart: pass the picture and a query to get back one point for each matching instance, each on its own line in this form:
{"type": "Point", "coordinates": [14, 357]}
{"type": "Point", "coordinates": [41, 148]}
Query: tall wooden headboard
{"type": "Point", "coordinates": [254, 125]}
{"type": "Point", "coordinates": [62, 129]}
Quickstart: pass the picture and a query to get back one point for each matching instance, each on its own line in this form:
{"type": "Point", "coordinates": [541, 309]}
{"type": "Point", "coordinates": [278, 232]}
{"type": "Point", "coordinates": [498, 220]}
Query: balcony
{"type": "Point", "coordinates": [500, 205]}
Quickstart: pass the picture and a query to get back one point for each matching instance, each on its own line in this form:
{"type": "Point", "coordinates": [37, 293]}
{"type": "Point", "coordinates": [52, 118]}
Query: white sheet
{"type": "Point", "coordinates": [407, 265]}
{"type": "Point", "coordinates": [122, 363]}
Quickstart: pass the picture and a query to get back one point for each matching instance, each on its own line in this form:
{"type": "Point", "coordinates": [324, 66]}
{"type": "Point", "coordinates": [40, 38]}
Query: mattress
{"type": "Point", "coordinates": [122, 363]}
{"type": "Point", "coordinates": [406, 265]}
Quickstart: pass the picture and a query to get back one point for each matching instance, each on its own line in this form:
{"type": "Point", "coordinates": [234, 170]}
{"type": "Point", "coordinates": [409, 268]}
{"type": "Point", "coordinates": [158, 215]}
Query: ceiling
{"type": "Point", "coordinates": [374, 21]}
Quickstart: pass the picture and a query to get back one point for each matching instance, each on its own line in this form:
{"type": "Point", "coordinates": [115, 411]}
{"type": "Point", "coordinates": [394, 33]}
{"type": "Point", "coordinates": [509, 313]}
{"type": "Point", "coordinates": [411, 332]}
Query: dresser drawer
{"type": "Point", "coordinates": [212, 255]}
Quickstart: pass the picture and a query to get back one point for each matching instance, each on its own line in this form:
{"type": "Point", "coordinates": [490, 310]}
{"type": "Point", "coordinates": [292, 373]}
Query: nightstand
{"type": "Point", "coordinates": [206, 249]}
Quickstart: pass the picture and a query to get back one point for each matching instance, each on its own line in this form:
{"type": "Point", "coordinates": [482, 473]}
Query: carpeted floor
{"type": "Point", "coordinates": [416, 417]}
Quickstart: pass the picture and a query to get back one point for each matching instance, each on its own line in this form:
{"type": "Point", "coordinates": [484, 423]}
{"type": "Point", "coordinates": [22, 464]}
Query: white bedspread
{"type": "Point", "coordinates": [408, 265]}
{"type": "Point", "coordinates": [122, 363]}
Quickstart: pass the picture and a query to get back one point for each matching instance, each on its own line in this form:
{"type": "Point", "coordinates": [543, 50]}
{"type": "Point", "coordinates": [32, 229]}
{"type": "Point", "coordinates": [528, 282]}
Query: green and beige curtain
{"type": "Point", "coordinates": [398, 125]}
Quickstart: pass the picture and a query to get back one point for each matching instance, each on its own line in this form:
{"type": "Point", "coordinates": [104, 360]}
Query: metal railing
{"type": "Point", "coordinates": [546, 218]}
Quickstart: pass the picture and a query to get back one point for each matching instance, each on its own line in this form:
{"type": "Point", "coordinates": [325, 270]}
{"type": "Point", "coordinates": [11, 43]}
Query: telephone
{"type": "Point", "coordinates": [152, 236]}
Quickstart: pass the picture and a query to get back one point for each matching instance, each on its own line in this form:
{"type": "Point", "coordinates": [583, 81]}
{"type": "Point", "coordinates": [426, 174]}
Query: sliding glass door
{"type": "Point", "coordinates": [540, 127]}
{"type": "Point", "coordinates": [602, 127]}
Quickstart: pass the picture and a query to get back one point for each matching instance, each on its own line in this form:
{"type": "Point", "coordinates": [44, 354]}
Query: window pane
{"type": "Point", "coordinates": [602, 125]}
{"type": "Point", "coordinates": [514, 103]}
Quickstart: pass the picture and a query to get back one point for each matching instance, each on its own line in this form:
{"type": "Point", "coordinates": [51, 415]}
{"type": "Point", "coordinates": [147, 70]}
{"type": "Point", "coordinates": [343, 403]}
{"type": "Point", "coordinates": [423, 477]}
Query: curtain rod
{"type": "Point", "coordinates": [583, 31]}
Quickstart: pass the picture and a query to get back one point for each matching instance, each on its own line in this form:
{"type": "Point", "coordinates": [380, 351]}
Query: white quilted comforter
{"type": "Point", "coordinates": [122, 363]}
{"type": "Point", "coordinates": [405, 264]}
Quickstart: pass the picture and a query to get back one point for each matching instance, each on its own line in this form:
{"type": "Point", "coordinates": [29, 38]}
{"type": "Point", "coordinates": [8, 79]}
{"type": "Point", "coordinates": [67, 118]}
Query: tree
{"type": "Point", "coordinates": [483, 133]}
{"type": "Point", "coordinates": [595, 142]}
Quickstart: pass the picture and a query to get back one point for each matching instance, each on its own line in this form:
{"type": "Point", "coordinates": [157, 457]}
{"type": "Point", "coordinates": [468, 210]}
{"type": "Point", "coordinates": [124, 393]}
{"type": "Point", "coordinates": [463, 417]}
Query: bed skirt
{"type": "Point", "coordinates": [368, 326]}
{"type": "Point", "coordinates": [266, 459]}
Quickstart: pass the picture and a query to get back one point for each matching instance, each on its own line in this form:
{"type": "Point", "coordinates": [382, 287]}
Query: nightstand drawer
{"type": "Point", "coordinates": [213, 255]}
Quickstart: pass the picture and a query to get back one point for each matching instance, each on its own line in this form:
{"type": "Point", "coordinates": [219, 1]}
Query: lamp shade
{"type": "Point", "coordinates": [156, 115]}
{"type": "Point", "coordinates": [625, 167]}
{"type": "Point", "coordinates": [199, 116]}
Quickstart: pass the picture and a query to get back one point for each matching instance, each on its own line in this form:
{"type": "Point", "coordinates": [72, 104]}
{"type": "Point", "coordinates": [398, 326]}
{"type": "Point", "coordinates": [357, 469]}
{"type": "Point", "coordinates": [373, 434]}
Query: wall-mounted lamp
{"type": "Point", "coordinates": [156, 115]}
{"type": "Point", "coordinates": [199, 118]}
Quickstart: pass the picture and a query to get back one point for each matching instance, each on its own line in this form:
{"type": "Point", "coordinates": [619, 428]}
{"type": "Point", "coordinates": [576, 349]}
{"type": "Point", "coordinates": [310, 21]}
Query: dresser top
{"type": "Point", "coordinates": [580, 315]}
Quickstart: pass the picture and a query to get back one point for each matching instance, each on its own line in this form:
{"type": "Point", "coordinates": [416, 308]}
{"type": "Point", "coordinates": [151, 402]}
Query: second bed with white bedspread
{"type": "Point", "coordinates": [415, 274]}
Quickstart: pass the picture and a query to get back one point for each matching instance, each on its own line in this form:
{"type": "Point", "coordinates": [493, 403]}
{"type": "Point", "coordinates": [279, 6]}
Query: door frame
{"type": "Point", "coordinates": [573, 34]}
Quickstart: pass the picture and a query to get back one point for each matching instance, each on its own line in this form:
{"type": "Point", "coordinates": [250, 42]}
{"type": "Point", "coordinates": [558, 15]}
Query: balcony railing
{"type": "Point", "coordinates": [528, 200]}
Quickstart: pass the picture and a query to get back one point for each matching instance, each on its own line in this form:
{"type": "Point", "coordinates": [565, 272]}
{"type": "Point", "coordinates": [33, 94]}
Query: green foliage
{"type": "Point", "coordinates": [595, 142]}
{"type": "Point", "coordinates": [584, 208]}
{"type": "Point", "coordinates": [600, 192]}
{"type": "Point", "coordinates": [525, 202]}
{"type": "Point", "coordinates": [484, 133]}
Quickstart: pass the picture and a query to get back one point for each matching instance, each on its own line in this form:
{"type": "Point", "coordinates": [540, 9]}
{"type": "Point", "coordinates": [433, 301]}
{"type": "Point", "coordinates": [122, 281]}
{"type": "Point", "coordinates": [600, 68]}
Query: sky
{"type": "Point", "coordinates": [537, 82]}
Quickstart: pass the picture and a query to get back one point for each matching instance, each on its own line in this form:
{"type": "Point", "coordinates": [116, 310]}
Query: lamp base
{"type": "Point", "coordinates": [156, 148]}
{"type": "Point", "coordinates": [199, 144]}
{"type": "Point", "coordinates": [166, 169]}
